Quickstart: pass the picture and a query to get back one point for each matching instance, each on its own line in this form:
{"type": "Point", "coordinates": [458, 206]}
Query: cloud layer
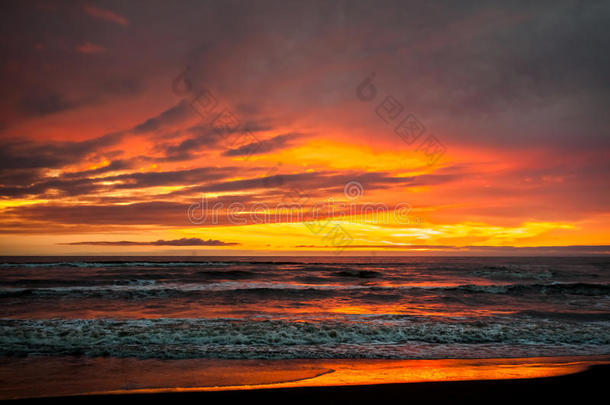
{"type": "Point", "coordinates": [116, 118]}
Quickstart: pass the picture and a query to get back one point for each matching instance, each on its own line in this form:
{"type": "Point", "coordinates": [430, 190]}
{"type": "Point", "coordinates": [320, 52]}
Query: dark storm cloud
{"type": "Point", "coordinates": [206, 180]}
{"type": "Point", "coordinates": [51, 60]}
{"type": "Point", "coordinates": [39, 104]}
{"type": "Point", "coordinates": [19, 177]}
{"type": "Point", "coordinates": [68, 186]}
{"type": "Point", "coordinates": [21, 160]}
{"type": "Point", "coordinates": [479, 68]}
{"type": "Point", "coordinates": [172, 116]}
{"type": "Point", "coordinates": [63, 187]}
{"type": "Point", "coordinates": [152, 213]}
{"type": "Point", "coordinates": [511, 74]}
{"type": "Point", "coordinates": [475, 70]}
{"type": "Point", "coordinates": [122, 85]}
{"type": "Point", "coordinates": [115, 165]}
{"type": "Point", "coordinates": [264, 146]}
{"type": "Point", "coordinates": [41, 101]}
{"type": "Point", "coordinates": [160, 242]}
{"type": "Point", "coordinates": [203, 138]}
{"type": "Point", "coordinates": [24, 154]}
{"type": "Point", "coordinates": [307, 188]}
{"type": "Point", "coordinates": [168, 178]}
{"type": "Point", "coordinates": [316, 183]}
{"type": "Point", "coordinates": [464, 62]}
{"type": "Point", "coordinates": [160, 213]}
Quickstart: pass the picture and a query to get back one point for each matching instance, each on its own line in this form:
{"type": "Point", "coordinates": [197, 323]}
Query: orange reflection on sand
{"type": "Point", "coordinates": [366, 372]}
{"type": "Point", "coordinates": [44, 377]}
{"type": "Point", "coordinates": [402, 371]}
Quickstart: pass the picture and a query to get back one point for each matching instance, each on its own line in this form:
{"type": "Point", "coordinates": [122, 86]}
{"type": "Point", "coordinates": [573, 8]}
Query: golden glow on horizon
{"type": "Point", "coordinates": [288, 236]}
{"type": "Point", "coordinates": [328, 154]}
{"type": "Point", "coordinates": [448, 208]}
{"type": "Point", "coordinates": [19, 203]}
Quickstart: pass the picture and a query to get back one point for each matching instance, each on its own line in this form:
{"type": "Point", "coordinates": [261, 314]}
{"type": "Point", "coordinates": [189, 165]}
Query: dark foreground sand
{"type": "Point", "coordinates": [589, 386]}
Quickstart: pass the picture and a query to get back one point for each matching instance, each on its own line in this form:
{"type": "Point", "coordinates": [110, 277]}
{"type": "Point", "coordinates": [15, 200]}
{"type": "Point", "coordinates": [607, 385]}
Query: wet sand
{"type": "Point", "coordinates": [72, 380]}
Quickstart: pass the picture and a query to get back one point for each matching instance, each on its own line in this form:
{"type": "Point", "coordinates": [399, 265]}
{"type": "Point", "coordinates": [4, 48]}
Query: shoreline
{"type": "Point", "coordinates": [40, 379]}
{"type": "Point", "coordinates": [582, 386]}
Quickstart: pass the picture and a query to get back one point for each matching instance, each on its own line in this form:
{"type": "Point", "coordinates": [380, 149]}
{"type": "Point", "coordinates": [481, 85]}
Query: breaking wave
{"type": "Point", "coordinates": [231, 338]}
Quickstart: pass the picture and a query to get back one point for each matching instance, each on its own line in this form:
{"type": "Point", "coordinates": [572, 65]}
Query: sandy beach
{"type": "Point", "coordinates": [40, 379]}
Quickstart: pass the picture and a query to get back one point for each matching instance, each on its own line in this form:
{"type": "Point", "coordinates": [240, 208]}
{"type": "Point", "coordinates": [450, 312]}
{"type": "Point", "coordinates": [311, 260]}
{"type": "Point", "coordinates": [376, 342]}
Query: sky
{"type": "Point", "coordinates": [318, 127]}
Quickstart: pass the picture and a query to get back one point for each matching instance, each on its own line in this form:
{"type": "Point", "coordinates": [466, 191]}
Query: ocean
{"type": "Point", "coordinates": [304, 307]}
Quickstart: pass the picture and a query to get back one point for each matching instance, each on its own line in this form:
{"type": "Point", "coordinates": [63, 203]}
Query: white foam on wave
{"type": "Point", "coordinates": [185, 338]}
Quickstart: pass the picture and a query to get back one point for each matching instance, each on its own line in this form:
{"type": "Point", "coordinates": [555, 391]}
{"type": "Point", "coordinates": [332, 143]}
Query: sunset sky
{"type": "Point", "coordinates": [118, 119]}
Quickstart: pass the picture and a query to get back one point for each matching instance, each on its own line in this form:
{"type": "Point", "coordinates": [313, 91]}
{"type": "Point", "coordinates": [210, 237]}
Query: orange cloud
{"type": "Point", "coordinates": [90, 48]}
{"type": "Point", "coordinates": [104, 14]}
